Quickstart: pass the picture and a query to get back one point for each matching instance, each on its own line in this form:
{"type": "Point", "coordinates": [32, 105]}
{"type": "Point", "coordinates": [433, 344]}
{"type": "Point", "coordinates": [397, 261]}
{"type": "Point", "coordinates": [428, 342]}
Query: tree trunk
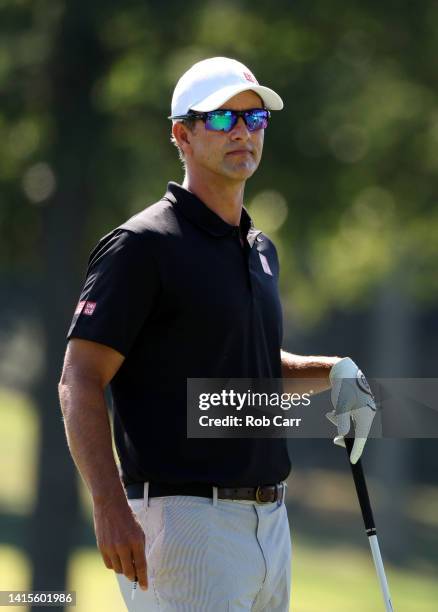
{"type": "Point", "coordinates": [77, 62]}
{"type": "Point", "coordinates": [394, 345]}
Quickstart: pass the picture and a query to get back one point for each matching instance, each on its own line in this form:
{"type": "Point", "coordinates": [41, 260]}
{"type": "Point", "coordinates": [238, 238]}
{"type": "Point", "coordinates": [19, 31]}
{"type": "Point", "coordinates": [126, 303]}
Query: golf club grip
{"type": "Point", "coordinates": [361, 489]}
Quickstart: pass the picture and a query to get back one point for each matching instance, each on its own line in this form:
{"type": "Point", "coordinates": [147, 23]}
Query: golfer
{"type": "Point", "coordinates": [188, 288]}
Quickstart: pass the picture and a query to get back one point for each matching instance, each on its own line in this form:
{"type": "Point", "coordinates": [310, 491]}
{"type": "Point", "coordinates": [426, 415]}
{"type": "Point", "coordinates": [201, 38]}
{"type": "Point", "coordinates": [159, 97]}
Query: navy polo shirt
{"type": "Point", "coordinates": [176, 293]}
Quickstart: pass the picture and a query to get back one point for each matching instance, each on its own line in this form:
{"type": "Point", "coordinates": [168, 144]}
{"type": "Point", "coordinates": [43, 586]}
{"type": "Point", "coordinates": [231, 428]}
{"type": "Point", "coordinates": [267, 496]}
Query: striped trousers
{"type": "Point", "coordinates": [212, 557]}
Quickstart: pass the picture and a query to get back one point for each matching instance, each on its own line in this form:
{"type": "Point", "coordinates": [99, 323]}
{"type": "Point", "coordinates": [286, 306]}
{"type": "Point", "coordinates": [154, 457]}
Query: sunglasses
{"type": "Point", "coordinates": [223, 120]}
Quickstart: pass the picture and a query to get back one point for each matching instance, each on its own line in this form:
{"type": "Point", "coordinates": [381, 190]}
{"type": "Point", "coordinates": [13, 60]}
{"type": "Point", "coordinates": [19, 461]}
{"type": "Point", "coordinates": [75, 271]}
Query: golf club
{"type": "Point", "coordinates": [368, 519]}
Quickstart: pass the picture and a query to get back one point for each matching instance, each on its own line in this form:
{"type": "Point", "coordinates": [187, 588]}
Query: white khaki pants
{"type": "Point", "coordinates": [212, 557]}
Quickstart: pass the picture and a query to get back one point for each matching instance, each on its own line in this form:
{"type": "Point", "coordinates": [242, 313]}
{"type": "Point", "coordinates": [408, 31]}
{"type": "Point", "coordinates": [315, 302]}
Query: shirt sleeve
{"type": "Point", "coordinates": [120, 291]}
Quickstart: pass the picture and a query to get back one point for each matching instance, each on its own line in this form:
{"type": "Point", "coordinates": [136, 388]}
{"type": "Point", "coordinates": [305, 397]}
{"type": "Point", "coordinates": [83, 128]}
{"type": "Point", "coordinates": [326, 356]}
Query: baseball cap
{"type": "Point", "coordinates": [211, 82]}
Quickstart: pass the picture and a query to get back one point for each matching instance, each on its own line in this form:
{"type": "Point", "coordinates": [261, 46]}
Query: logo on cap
{"type": "Point", "coordinates": [249, 77]}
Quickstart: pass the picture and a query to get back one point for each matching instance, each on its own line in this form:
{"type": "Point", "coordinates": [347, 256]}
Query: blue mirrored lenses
{"type": "Point", "coordinates": [220, 121]}
{"type": "Point", "coordinates": [224, 120]}
{"type": "Point", "coordinates": [256, 119]}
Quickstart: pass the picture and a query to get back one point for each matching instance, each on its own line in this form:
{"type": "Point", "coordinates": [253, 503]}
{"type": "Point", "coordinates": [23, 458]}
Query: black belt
{"type": "Point", "coordinates": [263, 494]}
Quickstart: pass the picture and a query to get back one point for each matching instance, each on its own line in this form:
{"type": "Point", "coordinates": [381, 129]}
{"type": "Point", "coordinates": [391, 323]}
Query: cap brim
{"type": "Point", "coordinates": [271, 100]}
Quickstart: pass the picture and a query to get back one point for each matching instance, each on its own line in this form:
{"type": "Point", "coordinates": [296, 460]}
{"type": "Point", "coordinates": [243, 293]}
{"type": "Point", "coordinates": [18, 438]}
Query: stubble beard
{"type": "Point", "coordinates": [240, 169]}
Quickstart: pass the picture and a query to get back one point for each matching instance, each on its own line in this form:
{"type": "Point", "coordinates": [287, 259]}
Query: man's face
{"type": "Point", "coordinates": [235, 154]}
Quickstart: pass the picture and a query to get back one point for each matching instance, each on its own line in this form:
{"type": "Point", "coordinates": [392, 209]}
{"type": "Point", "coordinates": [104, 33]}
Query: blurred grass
{"type": "Point", "coordinates": [14, 569]}
{"type": "Point", "coordinates": [343, 579]}
{"type": "Point", "coordinates": [96, 587]}
{"type": "Point", "coordinates": [18, 452]}
{"type": "Point", "coordinates": [329, 580]}
{"type": "Point", "coordinates": [326, 577]}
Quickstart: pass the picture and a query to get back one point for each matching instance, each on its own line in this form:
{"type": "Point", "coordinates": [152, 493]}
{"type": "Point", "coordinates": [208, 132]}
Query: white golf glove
{"type": "Point", "coordinates": [351, 397]}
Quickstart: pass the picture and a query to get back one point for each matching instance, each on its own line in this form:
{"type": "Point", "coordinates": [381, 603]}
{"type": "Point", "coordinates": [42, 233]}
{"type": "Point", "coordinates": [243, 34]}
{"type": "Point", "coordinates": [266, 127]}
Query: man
{"type": "Point", "coordinates": [188, 289]}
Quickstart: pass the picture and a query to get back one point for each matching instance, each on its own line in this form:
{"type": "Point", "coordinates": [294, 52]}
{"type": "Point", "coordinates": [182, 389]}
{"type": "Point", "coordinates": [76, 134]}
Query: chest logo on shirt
{"type": "Point", "coordinates": [86, 308]}
{"type": "Point", "coordinates": [265, 264]}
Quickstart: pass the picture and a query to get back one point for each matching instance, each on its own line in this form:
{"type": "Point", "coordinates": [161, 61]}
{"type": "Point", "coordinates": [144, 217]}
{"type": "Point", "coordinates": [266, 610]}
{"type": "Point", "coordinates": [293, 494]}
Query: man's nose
{"type": "Point", "coordinates": [240, 130]}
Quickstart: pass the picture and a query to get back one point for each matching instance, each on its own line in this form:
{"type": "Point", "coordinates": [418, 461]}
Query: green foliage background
{"type": "Point", "coordinates": [352, 157]}
{"type": "Point", "coordinates": [347, 189]}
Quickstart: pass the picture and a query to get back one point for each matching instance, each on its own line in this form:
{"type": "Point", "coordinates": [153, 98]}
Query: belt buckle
{"type": "Point", "coordinates": [258, 498]}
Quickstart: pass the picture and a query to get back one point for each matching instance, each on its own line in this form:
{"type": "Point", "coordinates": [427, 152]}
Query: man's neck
{"type": "Point", "coordinates": [224, 197]}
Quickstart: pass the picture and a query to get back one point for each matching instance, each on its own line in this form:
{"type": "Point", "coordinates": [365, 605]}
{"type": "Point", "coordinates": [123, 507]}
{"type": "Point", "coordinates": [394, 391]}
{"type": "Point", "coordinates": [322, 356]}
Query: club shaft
{"type": "Point", "coordinates": [377, 557]}
{"type": "Point", "coordinates": [370, 527]}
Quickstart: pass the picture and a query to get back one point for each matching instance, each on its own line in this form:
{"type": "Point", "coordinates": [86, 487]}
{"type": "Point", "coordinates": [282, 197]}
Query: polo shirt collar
{"type": "Point", "coordinates": [198, 213]}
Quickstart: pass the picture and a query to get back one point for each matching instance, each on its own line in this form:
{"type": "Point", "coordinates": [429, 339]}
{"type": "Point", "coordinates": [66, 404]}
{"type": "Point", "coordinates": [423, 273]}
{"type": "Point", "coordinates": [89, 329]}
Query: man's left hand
{"type": "Point", "coordinates": [351, 397]}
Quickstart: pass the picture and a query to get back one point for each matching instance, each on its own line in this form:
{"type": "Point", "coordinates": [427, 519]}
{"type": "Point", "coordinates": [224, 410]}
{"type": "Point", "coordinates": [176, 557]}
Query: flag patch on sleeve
{"type": "Point", "coordinates": [86, 308]}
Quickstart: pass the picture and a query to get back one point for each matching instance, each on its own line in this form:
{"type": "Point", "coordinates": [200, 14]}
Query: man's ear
{"type": "Point", "coordinates": [182, 135]}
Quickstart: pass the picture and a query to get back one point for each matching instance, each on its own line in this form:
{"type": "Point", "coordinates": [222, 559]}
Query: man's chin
{"type": "Point", "coordinates": [240, 171]}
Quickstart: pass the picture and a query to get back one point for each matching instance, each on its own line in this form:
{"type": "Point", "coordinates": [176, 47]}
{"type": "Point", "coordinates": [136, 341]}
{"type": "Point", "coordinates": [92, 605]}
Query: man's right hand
{"type": "Point", "coordinates": [121, 539]}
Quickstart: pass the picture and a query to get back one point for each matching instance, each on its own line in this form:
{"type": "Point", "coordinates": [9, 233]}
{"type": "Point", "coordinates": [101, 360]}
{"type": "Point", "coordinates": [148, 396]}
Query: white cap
{"type": "Point", "coordinates": [210, 83]}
